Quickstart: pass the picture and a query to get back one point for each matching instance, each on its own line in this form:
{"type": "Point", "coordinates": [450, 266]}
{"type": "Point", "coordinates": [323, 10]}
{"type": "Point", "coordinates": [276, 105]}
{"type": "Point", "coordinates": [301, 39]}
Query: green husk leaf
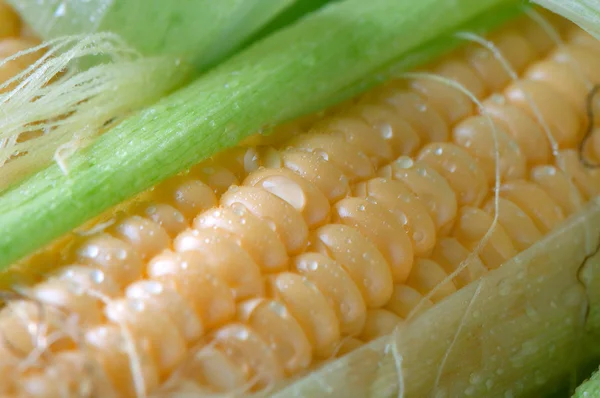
{"type": "Point", "coordinates": [272, 81]}
{"type": "Point", "coordinates": [200, 31]}
{"type": "Point", "coordinates": [289, 16]}
{"type": "Point", "coordinates": [585, 13]}
{"type": "Point", "coordinates": [590, 388]}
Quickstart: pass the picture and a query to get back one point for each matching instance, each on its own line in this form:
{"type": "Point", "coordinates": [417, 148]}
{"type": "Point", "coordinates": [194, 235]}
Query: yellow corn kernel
{"type": "Point", "coordinates": [293, 249]}
{"type": "Point", "coordinates": [10, 23]}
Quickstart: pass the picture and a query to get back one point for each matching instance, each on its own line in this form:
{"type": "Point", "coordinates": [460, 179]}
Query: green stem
{"type": "Point", "coordinates": [296, 70]}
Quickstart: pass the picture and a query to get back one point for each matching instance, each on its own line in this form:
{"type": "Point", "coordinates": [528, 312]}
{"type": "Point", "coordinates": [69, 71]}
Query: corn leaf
{"type": "Point", "coordinates": [590, 388]}
{"type": "Point", "coordinates": [203, 31]}
{"type": "Point", "coordinates": [585, 13]}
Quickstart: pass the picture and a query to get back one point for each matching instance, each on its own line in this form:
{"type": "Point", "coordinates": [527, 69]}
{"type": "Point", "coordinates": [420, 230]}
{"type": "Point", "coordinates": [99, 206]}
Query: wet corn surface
{"type": "Point", "coordinates": [294, 249]}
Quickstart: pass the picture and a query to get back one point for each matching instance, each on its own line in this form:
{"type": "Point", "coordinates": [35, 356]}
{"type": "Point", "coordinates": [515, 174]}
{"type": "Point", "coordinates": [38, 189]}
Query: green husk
{"type": "Point", "coordinates": [590, 388]}
{"type": "Point", "coordinates": [289, 16]}
{"type": "Point", "coordinates": [585, 13]}
{"type": "Point", "coordinates": [272, 81]}
{"type": "Point", "coordinates": [201, 31]}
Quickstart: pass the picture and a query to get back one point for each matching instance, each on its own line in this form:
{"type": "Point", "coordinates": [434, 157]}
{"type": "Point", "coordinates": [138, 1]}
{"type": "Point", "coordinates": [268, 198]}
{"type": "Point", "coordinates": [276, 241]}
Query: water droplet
{"type": "Point", "coordinates": [153, 287]}
{"type": "Point", "coordinates": [404, 162]}
{"type": "Point", "coordinates": [498, 99]}
{"type": "Point", "coordinates": [61, 10]}
{"type": "Point", "coordinates": [402, 217]}
{"type": "Point", "coordinates": [439, 151]}
{"type": "Point", "coordinates": [386, 131]}
{"type": "Point", "coordinates": [271, 224]}
{"type": "Point", "coordinates": [440, 393]}
{"type": "Point", "coordinates": [322, 154]}
{"type": "Point", "coordinates": [505, 287]}
{"type": "Point", "coordinates": [242, 334]}
{"type": "Point", "coordinates": [361, 207]}
{"type": "Point", "coordinates": [91, 251]}
{"type": "Point", "coordinates": [572, 296]}
{"type": "Point", "coordinates": [97, 276]}
{"type": "Point", "coordinates": [475, 378]}
{"type": "Point", "coordinates": [470, 391]}
{"type": "Point", "coordinates": [278, 309]}
{"type": "Point", "coordinates": [532, 313]}
{"type": "Point", "coordinates": [286, 190]}
{"type": "Point", "coordinates": [136, 305]}
{"type": "Point", "coordinates": [548, 170]}
{"type": "Point", "coordinates": [512, 145]}
{"type": "Point", "coordinates": [529, 347]}
{"type": "Point", "coordinates": [418, 236]}
{"type": "Point", "coordinates": [345, 309]}
{"type": "Point", "coordinates": [150, 210]}
{"type": "Point", "coordinates": [238, 209]}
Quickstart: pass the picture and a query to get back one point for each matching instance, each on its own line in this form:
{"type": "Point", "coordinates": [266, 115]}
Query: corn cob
{"type": "Point", "coordinates": [304, 250]}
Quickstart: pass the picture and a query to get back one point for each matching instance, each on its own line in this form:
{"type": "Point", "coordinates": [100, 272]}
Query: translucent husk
{"type": "Point", "coordinates": [585, 13]}
{"type": "Point", "coordinates": [521, 331]}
